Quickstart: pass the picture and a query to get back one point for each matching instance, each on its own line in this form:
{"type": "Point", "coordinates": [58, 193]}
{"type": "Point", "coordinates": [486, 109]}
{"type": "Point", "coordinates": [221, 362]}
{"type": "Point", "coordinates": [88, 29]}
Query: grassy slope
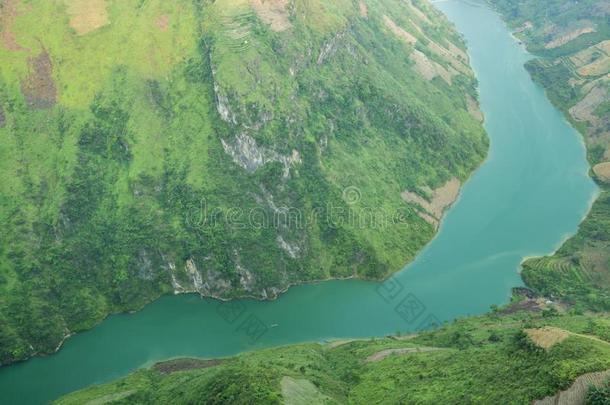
{"type": "Point", "coordinates": [112, 150]}
{"type": "Point", "coordinates": [580, 271]}
{"type": "Point", "coordinates": [482, 360]}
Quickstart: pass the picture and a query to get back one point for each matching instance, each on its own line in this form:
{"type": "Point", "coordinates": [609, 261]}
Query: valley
{"type": "Point", "coordinates": [325, 120]}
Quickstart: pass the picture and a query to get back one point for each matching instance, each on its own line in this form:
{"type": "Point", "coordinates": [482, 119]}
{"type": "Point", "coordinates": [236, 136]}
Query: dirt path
{"type": "Point", "coordinates": [406, 350]}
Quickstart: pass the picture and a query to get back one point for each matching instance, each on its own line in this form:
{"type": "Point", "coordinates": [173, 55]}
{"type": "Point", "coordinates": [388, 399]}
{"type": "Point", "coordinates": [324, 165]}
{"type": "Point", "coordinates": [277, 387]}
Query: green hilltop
{"type": "Point", "coordinates": [149, 147]}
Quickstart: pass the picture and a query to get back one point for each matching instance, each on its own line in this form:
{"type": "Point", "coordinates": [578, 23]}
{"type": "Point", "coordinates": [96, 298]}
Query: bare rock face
{"type": "Point", "coordinates": [145, 265]}
{"type": "Point", "coordinates": [291, 249]}
{"type": "Point", "coordinates": [246, 153]}
{"type": "Point", "coordinates": [222, 105]}
{"type": "Point", "coordinates": [330, 48]}
{"type": "Point", "coordinates": [194, 275]}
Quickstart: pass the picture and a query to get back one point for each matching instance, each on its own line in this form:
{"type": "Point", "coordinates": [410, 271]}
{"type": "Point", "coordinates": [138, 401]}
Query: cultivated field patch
{"type": "Point", "coordinates": [87, 15]}
{"type": "Point", "coordinates": [567, 37]}
{"type": "Point", "coordinates": [399, 32]}
{"type": "Point", "coordinates": [438, 200]}
{"type": "Point", "coordinates": [273, 12]}
{"type": "Point", "coordinates": [602, 171]}
{"type": "Point", "coordinates": [583, 110]}
{"type": "Point", "coordinates": [547, 337]}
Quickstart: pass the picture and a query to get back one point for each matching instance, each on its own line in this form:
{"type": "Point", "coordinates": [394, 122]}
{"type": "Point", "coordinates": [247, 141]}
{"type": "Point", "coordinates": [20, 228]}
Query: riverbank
{"type": "Point", "coordinates": [579, 270]}
{"type": "Point", "coordinates": [510, 365]}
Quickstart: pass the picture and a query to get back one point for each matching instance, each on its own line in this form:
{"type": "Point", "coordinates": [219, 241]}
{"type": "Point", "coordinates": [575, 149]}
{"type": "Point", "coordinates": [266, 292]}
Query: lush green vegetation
{"type": "Point", "coordinates": [554, 18]}
{"type": "Point", "coordinates": [131, 151]}
{"type": "Point", "coordinates": [579, 272]}
{"type": "Point", "coordinates": [574, 74]}
{"type": "Point", "coordinates": [487, 359]}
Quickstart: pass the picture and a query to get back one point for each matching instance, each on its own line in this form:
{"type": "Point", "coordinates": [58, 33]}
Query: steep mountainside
{"type": "Point", "coordinates": [572, 42]}
{"type": "Point", "coordinates": [228, 147]}
{"type": "Point", "coordinates": [494, 359]}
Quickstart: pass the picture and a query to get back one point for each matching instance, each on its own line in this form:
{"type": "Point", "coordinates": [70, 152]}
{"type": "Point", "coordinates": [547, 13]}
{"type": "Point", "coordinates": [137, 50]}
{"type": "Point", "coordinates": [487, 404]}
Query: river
{"type": "Point", "coordinates": [527, 197]}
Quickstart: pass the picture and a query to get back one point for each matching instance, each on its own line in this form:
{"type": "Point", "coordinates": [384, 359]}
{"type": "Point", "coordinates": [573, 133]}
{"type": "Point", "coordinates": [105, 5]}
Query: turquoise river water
{"type": "Point", "coordinates": [528, 196]}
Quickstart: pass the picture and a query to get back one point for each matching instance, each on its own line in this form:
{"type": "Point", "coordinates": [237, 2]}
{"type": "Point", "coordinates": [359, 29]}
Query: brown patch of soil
{"type": "Point", "coordinates": [565, 38]}
{"type": "Point", "coordinates": [38, 87]}
{"type": "Point", "coordinates": [439, 200]}
{"type": "Point", "coordinates": [8, 12]}
{"type": "Point", "coordinates": [420, 14]}
{"type": "Point", "coordinates": [429, 69]}
{"type": "Point", "coordinates": [457, 58]}
{"type": "Point", "coordinates": [599, 67]}
{"type": "Point", "coordinates": [547, 337]}
{"type": "Point", "coordinates": [527, 304]}
{"type": "Point", "coordinates": [577, 392]}
{"type": "Point", "coordinates": [273, 12]}
{"type": "Point", "coordinates": [526, 26]}
{"type": "Point", "coordinates": [163, 22]}
{"type": "Point", "coordinates": [590, 54]}
{"type": "Point", "coordinates": [473, 108]}
{"type": "Point", "coordinates": [172, 366]}
{"type": "Point", "coordinates": [364, 10]}
{"type": "Point", "coordinates": [602, 171]}
{"type": "Point", "coordinates": [583, 110]}
{"type": "Point", "coordinates": [452, 58]}
{"type": "Point", "coordinates": [399, 32]}
{"type": "Point", "coordinates": [87, 15]}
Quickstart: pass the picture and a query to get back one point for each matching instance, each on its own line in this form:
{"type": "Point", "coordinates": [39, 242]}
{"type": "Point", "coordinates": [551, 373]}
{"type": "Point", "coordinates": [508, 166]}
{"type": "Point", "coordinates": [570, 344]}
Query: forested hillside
{"type": "Point", "coordinates": [571, 42]}
{"type": "Point", "coordinates": [230, 148]}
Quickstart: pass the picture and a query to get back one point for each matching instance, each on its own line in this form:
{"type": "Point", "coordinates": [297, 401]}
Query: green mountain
{"type": "Point", "coordinates": [228, 147]}
{"type": "Point", "coordinates": [571, 42]}
{"type": "Point", "coordinates": [500, 358]}
{"type": "Point", "coordinates": [530, 350]}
